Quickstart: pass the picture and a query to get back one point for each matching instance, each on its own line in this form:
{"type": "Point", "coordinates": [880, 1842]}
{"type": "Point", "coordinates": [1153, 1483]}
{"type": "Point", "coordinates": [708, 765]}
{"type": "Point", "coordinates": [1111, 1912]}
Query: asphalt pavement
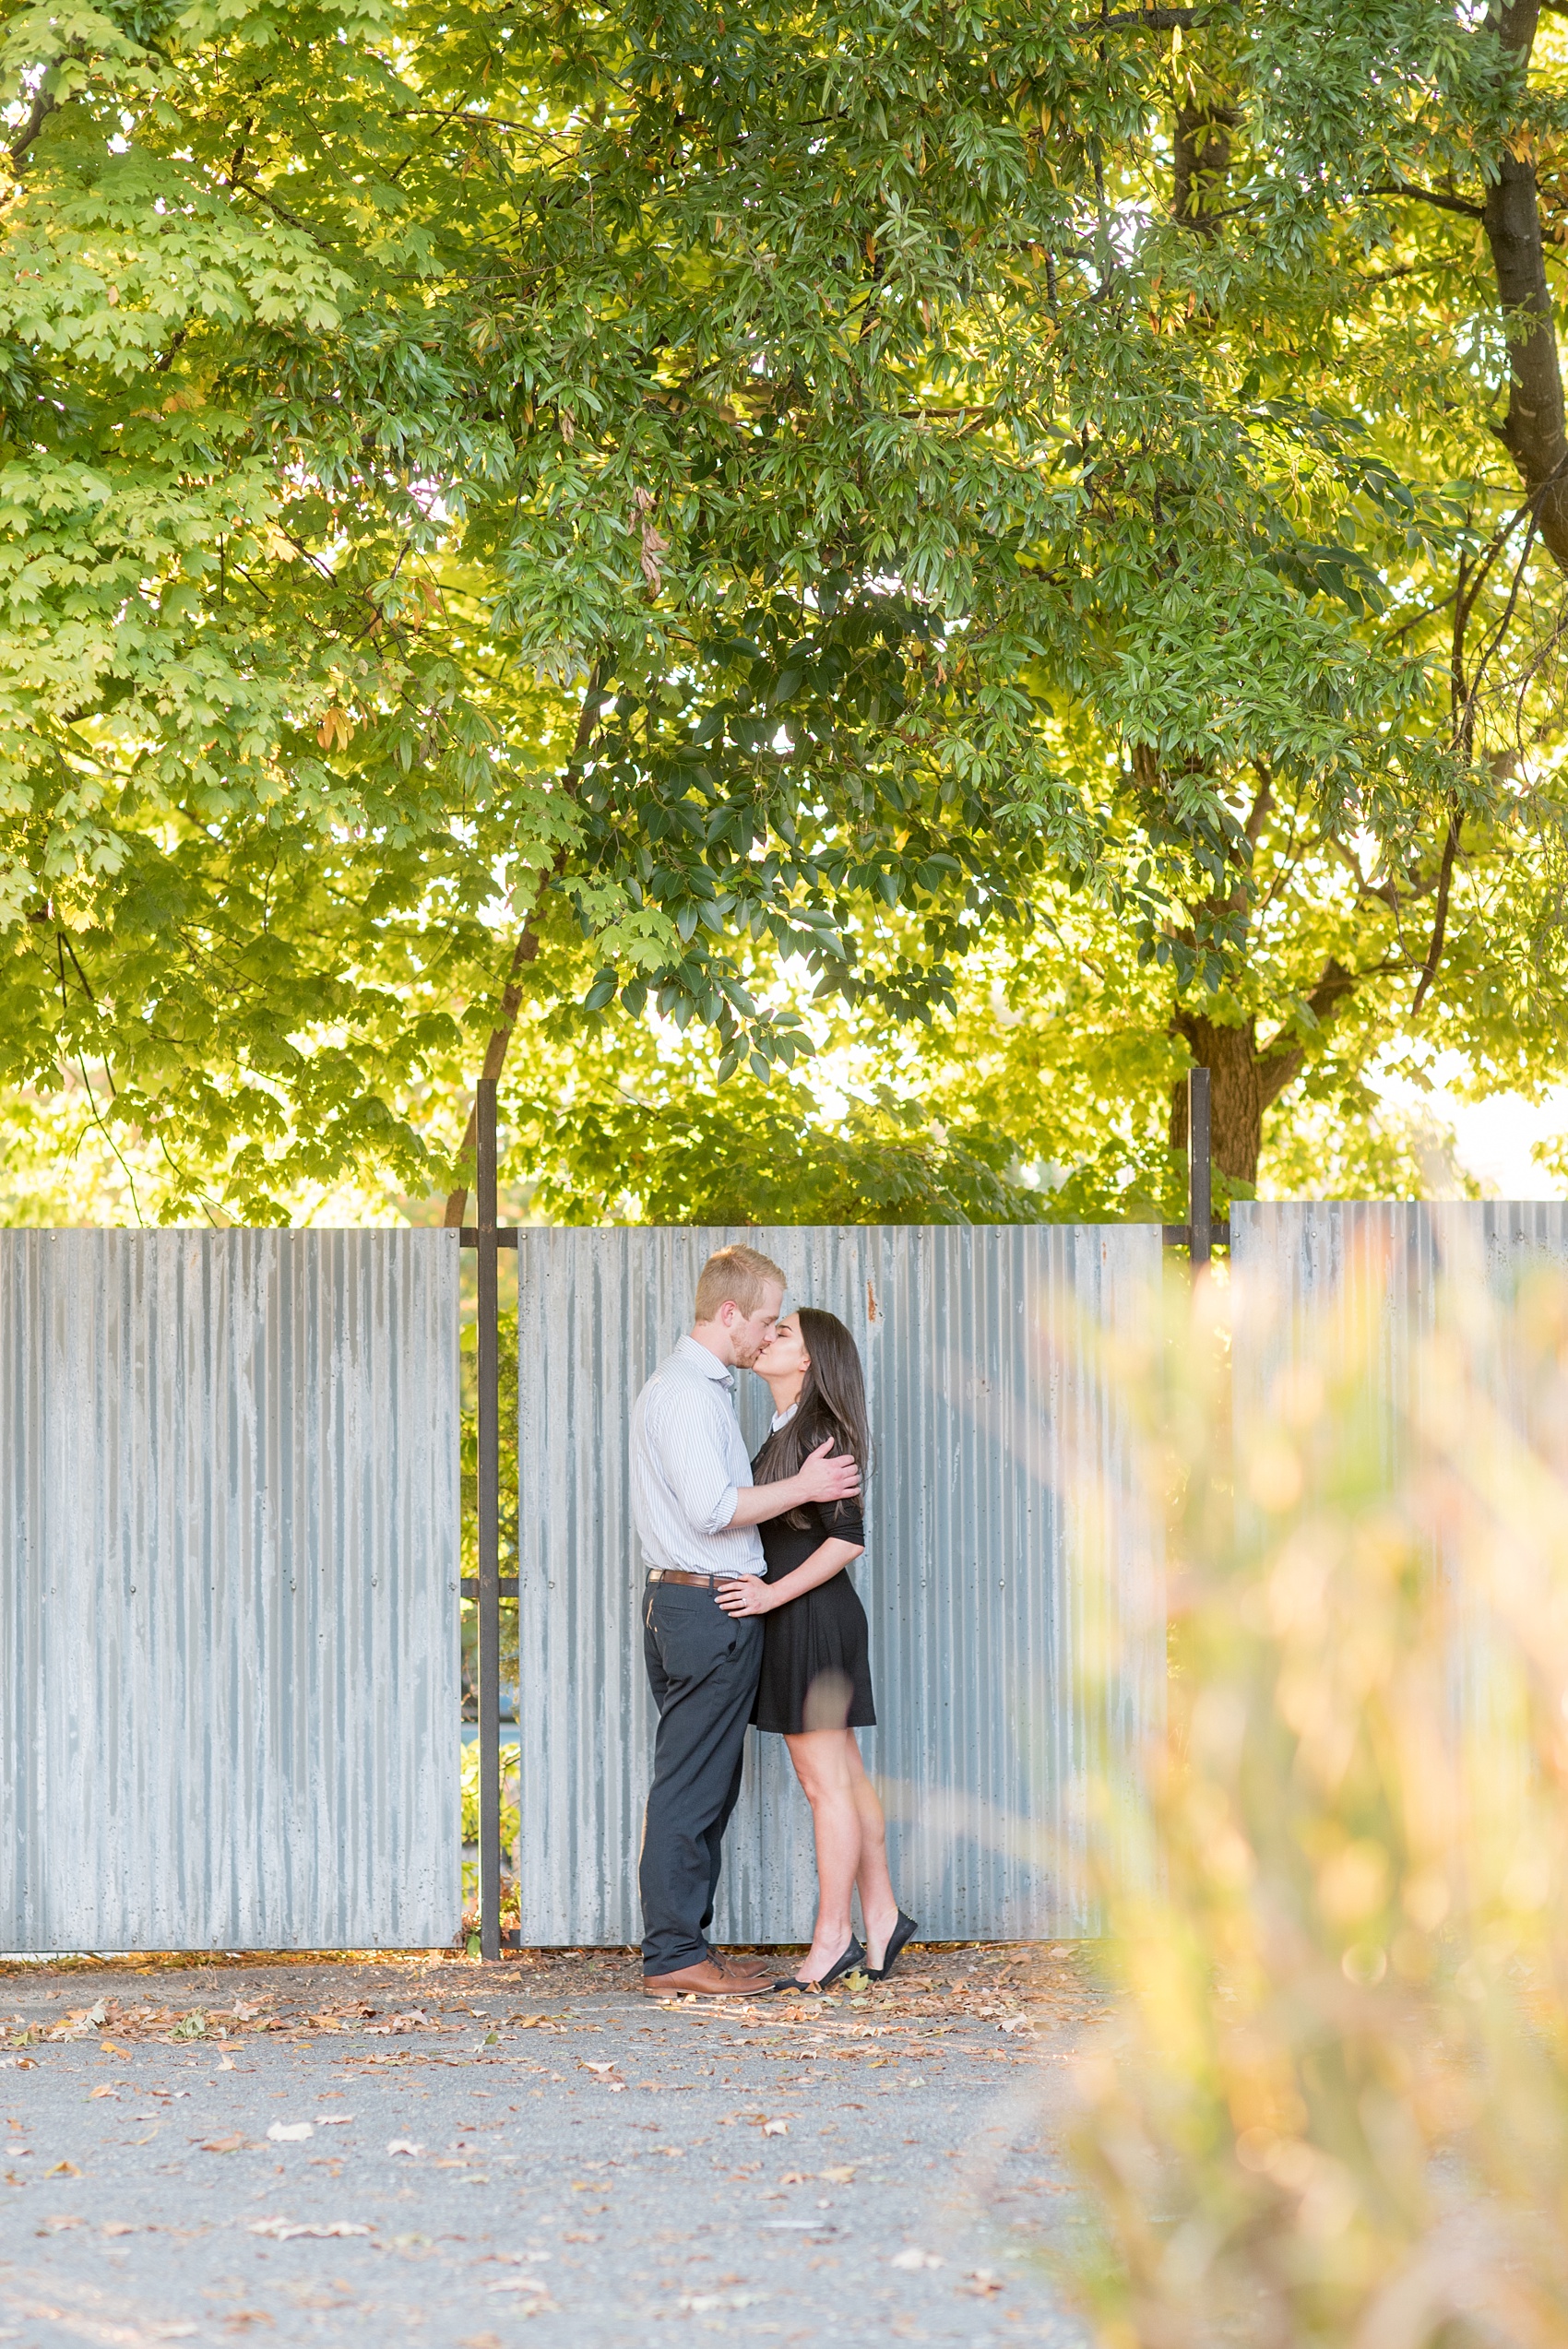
{"type": "Point", "coordinates": [432, 2152]}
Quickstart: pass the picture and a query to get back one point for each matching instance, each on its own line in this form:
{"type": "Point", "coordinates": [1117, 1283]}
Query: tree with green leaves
{"type": "Point", "coordinates": [1388, 879]}
{"type": "Point", "coordinates": [467, 465]}
{"type": "Point", "coordinates": [521, 521]}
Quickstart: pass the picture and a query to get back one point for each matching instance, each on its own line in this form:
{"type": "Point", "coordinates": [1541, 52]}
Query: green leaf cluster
{"type": "Point", "coordinates": [765, 520]}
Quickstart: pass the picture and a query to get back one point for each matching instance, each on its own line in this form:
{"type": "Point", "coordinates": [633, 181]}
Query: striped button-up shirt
{"type": "Point", "coordinates": [688, 1463]}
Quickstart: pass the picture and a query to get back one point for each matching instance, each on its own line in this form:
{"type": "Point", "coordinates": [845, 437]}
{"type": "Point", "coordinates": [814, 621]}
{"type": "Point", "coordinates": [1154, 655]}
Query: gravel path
{"type": "Point", "coordinates": [431, 2152]}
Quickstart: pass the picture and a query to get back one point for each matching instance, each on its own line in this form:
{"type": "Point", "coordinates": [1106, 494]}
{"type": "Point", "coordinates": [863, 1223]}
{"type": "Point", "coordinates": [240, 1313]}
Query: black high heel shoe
{"type": "Point", "coordinates": [853, 1956]}
{"type": "Point", "coordinates": [902, 1932]}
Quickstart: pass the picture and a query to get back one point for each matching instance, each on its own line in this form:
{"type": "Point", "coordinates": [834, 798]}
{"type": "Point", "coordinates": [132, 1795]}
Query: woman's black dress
{"type": "Point", "coordinates": [823, 1631]}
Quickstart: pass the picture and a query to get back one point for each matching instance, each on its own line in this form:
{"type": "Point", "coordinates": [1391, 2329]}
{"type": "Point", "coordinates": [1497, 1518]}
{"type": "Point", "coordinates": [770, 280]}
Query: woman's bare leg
{"type": "Point", "coordinates": [879, 1909]}
{"type": "Point", "coordinates": [822, 1765]}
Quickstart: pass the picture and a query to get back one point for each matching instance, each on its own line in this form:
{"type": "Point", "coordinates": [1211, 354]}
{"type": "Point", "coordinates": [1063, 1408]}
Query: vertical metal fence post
{"type": "Point", "coordinates": [489, 1432]}
{"type": "Point", "coordinates": [1200, 1182]}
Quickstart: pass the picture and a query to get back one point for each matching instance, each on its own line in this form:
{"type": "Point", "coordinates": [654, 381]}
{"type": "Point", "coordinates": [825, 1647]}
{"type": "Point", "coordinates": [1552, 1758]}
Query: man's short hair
{"type": "Point", "coordinates": [739, 1276]}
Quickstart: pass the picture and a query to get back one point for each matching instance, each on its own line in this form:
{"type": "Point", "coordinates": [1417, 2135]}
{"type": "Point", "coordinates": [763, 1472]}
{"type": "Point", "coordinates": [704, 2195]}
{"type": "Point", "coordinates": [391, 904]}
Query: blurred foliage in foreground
{"type": "Point", "coordinates": [1339, 2112]}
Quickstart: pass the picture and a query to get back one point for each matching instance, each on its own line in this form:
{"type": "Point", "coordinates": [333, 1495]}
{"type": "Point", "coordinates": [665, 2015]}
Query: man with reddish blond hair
{"type": "Point", "coordinates": [696, 1512]}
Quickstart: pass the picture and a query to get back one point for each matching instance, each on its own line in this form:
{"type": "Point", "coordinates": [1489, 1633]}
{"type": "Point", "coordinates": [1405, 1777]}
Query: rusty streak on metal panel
{"type": "Point", "coordinates": [1014, 1575]}
{"type": "Point", "coordinates": [229, 1560]}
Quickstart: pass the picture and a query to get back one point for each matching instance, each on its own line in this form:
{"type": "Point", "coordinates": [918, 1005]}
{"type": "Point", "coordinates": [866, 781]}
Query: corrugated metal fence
{"type": "Point", "coordinates": [229, 1628]}
{"type": "Point", "coordinates": [228, 1541]}
{"type": "Point", "coordinates": [1014, 1575]}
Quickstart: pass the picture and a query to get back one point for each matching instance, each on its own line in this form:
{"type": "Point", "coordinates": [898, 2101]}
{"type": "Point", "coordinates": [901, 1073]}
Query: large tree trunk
{"type": "Point", "coordinates": [1200, 161]}
{"type": "Point", "coordinates": [1236, 1103]}
{"type": "Point", "coordinates": [1533, 430]}
{"type": "Point", "coordinates": [1243, 1081]}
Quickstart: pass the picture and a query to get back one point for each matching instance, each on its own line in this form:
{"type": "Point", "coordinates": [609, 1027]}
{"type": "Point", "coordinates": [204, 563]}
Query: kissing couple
{"type": "Point", "coordinates": [749, 1615]}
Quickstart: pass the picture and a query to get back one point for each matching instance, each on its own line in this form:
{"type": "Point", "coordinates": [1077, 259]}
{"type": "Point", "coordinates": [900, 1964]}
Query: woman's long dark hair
{"type": "Point", "coordinates": [833, 1403]}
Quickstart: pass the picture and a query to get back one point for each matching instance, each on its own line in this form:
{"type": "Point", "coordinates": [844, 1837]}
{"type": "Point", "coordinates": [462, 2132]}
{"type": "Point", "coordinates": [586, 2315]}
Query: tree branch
{"type": "Point", "coordinates": [1386, 892]}
{"type": "Point", "coordinates": [1154, 20]}
{"type": "Point", "coordinates": [44, 104]}
{"type": "Point", "coordinates": [1439, 919]}
{"type": "Point", "coordinates": [1533, 431]}
{"type": "Point", "coordinates": [525, 951]}
{"type": "Point", "coordinates": [1459, 204]}
{"type": "Point", "coordinates": [1262, 806]}
{"type": "Point", "coordinates": [1282, 1064]}
{"type": "Point", "coordinates": [253, 186]}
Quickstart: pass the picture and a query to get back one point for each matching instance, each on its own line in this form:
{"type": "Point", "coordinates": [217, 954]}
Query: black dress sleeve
{"type": "Point", "coordinates": [838, 1519]}
{"type": "Point", "coordinates": [842, 1521]}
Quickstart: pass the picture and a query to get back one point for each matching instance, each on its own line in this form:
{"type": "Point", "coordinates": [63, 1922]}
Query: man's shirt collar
{"type": "Point", "coordinates": [707, 1363]}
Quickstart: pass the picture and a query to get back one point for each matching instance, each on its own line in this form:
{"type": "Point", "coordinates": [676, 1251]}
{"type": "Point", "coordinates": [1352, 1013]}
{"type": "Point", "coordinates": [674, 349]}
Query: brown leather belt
{"type": "Point", "coordinates": [697, 1582]}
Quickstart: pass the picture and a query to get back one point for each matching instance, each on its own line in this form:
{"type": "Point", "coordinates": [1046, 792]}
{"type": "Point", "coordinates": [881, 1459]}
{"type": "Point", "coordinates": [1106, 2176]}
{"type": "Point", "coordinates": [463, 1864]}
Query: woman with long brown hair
{"type": "Point", "coordinates": [815, 1685]}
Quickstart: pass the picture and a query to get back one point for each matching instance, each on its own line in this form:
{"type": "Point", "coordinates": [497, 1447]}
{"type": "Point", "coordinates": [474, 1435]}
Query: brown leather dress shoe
{"type": "Point", "coordinates": [706, 1979]}
{"type": "Point", "coordinates": [740, 1968]}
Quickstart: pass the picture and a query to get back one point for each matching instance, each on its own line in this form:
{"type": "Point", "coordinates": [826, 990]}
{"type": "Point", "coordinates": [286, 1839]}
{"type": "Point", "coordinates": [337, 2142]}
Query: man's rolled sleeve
{"type": "Point", "coordinates": [722, 1512]}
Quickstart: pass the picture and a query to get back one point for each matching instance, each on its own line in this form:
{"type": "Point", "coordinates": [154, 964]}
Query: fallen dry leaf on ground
{"type": "Point", "coordinates": [81, 2022]}
{"type": "Point", "coordinates": [285, 2230]}
{"type": "Point", "coordinates": [71, 2318]}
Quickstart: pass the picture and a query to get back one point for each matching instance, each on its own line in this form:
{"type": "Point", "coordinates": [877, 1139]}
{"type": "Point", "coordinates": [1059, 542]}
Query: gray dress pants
{"type": "Point", "coordinates": [703, 1667]}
